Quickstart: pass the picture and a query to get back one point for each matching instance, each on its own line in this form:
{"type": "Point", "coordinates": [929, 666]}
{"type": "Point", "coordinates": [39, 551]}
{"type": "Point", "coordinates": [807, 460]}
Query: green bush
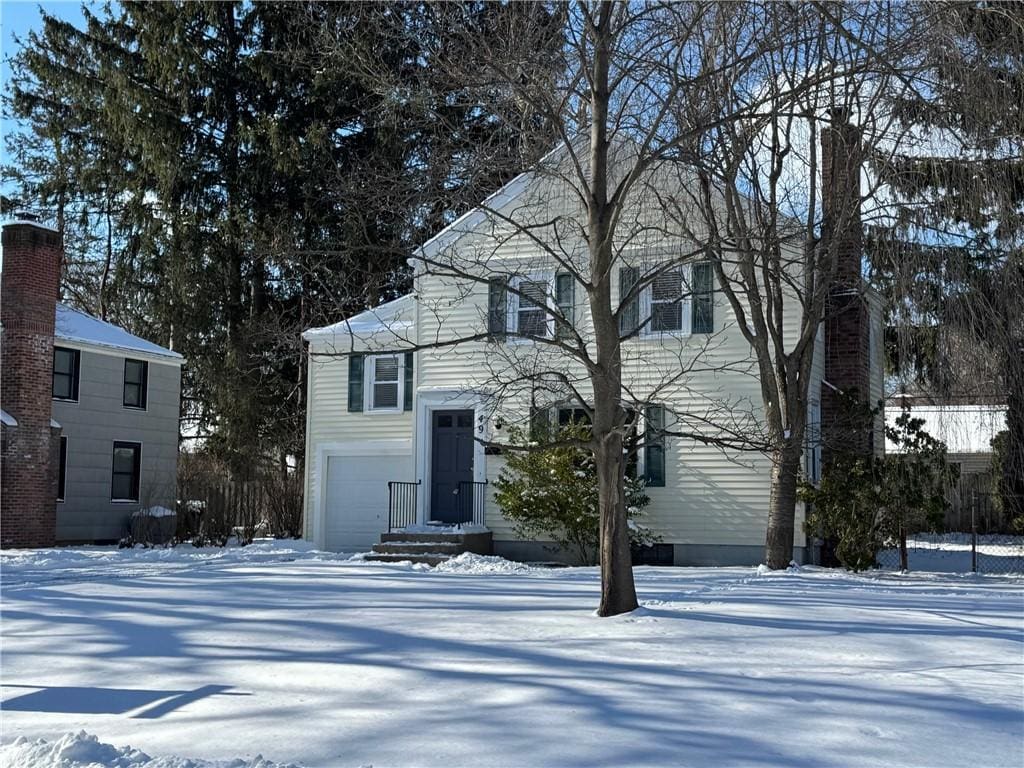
{"type": "Point", "coordinates": [550, 491]}
{"type": "Point", "coordinates": [868, 503]}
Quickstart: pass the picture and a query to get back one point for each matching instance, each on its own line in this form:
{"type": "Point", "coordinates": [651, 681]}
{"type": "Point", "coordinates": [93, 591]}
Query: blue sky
{"type": "Point", "coordinates": [17, 19]}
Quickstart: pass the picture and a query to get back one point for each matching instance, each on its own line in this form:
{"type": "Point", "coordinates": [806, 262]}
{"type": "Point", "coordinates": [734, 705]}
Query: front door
{"type": "Point", "coordinates": [451, 462]}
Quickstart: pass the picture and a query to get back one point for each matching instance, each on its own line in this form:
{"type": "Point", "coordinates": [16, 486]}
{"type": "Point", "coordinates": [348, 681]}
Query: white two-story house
{"type": "Point", "coordinates": [407, 401]}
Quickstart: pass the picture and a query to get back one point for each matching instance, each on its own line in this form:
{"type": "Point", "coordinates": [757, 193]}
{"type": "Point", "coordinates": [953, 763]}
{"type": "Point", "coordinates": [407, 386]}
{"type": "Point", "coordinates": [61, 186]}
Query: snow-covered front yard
{"type": "Point", "coordinates": [311, 659]}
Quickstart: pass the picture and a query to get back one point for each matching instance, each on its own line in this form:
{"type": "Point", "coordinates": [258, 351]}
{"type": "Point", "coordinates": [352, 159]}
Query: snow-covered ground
{"type": "Point", "coordinates": [317, 660]}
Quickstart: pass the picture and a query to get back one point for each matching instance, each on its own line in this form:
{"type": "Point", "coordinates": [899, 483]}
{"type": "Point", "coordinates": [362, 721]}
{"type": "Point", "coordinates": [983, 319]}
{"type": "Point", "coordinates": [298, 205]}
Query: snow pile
{"type": "Point", "coordinates": [84, 750]}
{"type": "Point", "coordinates": [470, 563]}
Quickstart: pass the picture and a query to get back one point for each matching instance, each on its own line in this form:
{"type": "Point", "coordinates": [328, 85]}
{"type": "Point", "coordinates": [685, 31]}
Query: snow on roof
{"type": "Point", "coordinates": [391, 315]}
{"type": "Point", "coordinates": [963, 428]}
{"type": "Point", "coordinates": [73, 325]}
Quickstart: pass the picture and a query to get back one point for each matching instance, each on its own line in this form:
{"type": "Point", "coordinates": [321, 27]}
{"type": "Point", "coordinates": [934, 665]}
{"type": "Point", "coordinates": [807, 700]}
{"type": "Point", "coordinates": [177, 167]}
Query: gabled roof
{"type": "Point", "coordinates": [74, 326]}
{"type": "Point", "coordinates": [392, 315]}
{"type": "Point", "coordinates": [496, 201]}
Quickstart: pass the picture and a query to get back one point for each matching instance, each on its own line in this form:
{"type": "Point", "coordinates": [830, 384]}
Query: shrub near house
{"type": "Point", "coordinates": [549, 491]}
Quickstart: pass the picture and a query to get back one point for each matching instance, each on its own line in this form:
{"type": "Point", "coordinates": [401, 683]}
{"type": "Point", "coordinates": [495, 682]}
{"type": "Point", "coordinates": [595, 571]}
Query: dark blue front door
{"type": "Point", "coordinates": [451, 463]}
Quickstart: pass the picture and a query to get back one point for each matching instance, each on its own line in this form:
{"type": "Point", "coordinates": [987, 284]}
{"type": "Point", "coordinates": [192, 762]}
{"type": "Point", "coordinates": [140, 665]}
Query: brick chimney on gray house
{"type": "Point", "coordinates": [847, 322]}
{"type": "Point", "coordinates": [29, 286]}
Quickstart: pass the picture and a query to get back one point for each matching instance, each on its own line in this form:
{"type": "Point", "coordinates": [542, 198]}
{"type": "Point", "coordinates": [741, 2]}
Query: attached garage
{"type": "Point", "coordinates": [355, 497]}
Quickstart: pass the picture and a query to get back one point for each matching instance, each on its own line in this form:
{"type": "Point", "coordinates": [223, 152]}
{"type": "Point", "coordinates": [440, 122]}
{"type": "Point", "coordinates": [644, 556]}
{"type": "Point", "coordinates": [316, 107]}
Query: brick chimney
{"type": "Point", "coordinates": [29, 286]}
{"type": "Point", "coordinates": [847, 323]}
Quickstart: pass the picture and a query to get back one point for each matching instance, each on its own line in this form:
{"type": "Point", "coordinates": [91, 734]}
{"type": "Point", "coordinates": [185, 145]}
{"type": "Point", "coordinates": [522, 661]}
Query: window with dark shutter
{"type": "Point", "coordinates": [65, 373]}
{"type": "Point", "coordinates": [654, 446]}
{"type": "Point", "coordinates": [703, 297]}
{"type": "Point", "coordinates": [407, 398]}
{"type": "Point", "coordinates": [540, 422]}
{"type": "Point", "coordinates": [565, 299]}
{"type": "Point", "coordinates": [355, 383]}
{"type": "Point", "coordinates": [125, 470]}
{"type": "Point", "coordinates": [136, 375]}
{"type": "Point", "coordinates": [497, 307]}
{"type": "Point", "coordinates": [629, 317]}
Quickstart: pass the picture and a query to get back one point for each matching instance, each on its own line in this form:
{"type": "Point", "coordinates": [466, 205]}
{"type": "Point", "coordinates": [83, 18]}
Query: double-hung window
{"type": "Point", "coordinates": [136, 375]}
{"type": "Point", "coordinates": [666, 300]}
{"type": "Point", "coordinates": [529, 310]}
{"type": "Point", "coordinates": [676, 300]}
{"type": "Point", "coordinates": [65, 373]}
{"type": "Point", "coordinates": [384, 383]}
{"type": "Point", "coordinates": [125, 471]}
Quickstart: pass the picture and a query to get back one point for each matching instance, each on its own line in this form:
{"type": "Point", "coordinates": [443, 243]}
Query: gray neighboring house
{"type": "Point", "coordinates": [116, 398]}
{"type": "Point", "coordinates": [88, 412]}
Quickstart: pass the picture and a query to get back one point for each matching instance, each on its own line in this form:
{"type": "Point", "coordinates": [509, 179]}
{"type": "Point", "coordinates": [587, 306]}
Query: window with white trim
{"type": "Point", "coordinates": [679, 300]}
{"type": "Point", "coordinates": [666, 304]}
{"type": "Point", "coordinates": [384, 383]}
{"type": "Point", "coordinates": [529, 304]}
{"type": "Point", "coordinates": [666, 298]}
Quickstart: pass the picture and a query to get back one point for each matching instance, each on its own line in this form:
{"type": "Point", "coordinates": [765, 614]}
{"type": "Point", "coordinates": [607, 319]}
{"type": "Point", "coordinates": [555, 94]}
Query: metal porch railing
{"type": "Point", "coordinates": [401, 504]}
{"type": "Point", "coordinates": [472, 497]}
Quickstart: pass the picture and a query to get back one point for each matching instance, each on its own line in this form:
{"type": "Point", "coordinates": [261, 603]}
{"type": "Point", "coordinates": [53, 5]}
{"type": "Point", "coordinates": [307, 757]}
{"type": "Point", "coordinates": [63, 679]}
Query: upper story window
{"type": "Point", "coordinates": [136, 378]}
{"type": "Point", "coordinates": [666, 297]}
{"type": "Point", "coordinates": [65, 373]}
{"type": "Point", "coordinates": [530, 307]}
{"type": "Point", "coordinates": [678, 300]}
{"type": "Point", "coordinates": [384, 390]}
{"type": "Point", "coordinates": [527, 306]}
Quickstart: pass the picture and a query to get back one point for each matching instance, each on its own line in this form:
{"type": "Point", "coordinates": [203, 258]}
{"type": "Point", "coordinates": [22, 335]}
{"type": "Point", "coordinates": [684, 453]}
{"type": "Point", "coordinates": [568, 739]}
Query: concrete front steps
{"type": "Point", "coordinates": [429, 548]}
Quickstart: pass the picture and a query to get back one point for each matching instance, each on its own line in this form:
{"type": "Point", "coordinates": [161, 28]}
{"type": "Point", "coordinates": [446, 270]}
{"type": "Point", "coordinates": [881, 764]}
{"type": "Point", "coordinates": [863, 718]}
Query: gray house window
{"type": "Point", "coordinates": [136, 376]}
{"type": "Point", "coordinates": [65, 373]}
{"type": "Point", "coordinates": [124, 477]}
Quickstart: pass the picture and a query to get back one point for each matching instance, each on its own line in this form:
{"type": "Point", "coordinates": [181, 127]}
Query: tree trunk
{"type": "Point", "coordinates": [618, 592]}
{"type": "Point", "coordinates": [778, 552]}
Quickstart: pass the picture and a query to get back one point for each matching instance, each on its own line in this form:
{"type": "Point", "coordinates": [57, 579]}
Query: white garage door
{"type": "Point", "coordinates": [356, 493]}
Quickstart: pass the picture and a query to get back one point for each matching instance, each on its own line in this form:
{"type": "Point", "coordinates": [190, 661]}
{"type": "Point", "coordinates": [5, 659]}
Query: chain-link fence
{"type": "Point", "coordinates": [985, 541]}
